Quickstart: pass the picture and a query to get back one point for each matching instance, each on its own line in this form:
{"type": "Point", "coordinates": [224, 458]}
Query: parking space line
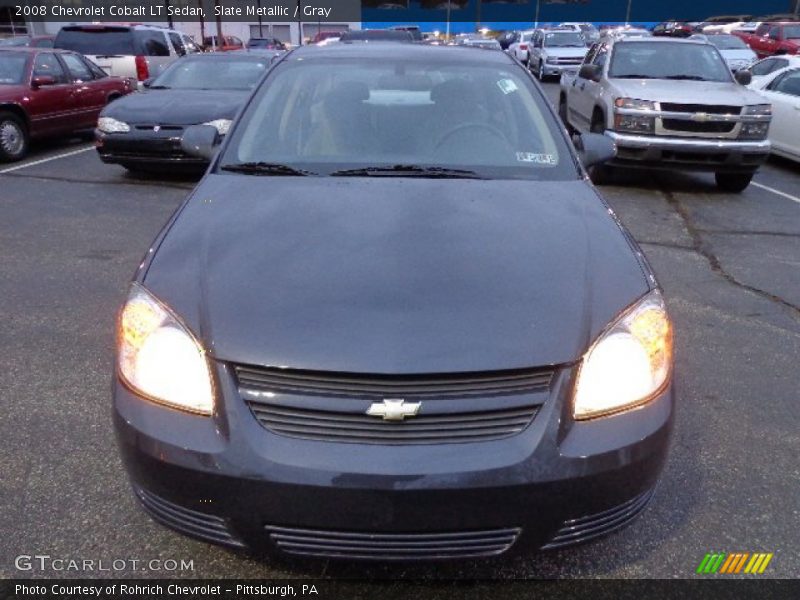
{"type": "Point", "coordinates": [44, 160]}
{"type": "Point", "coordinates": [774, 191]}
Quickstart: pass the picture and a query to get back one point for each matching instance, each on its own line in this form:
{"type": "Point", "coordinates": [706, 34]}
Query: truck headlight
{"type": "Point", "coordinates": [754, 131]}
{"type": "Point", "coordinates": [629, 363]}
{"type": "Point", "coordinates": [634, 104]}
{"type": "Point", "coordinates": [159, 358]}
{"type": "Point", "coordinates": [634, 123]}
{"type": "Point", "coordinates": [109, 125]}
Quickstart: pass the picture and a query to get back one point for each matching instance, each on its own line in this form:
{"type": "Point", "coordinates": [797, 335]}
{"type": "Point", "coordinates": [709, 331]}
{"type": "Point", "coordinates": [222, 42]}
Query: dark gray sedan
{"type": "Point", "coordinates": [394, 321]}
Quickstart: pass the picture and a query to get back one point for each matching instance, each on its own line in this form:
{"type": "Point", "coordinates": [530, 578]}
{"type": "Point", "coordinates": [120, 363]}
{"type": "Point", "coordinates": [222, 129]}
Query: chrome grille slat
{"type": "Point", "coordinates": [387, 546]}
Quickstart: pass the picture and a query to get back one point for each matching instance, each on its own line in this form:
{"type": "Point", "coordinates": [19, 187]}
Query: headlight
{"type": "Point", "coordinates": [634, 104]}
{"type": "Point", "coordinates": [758, 109]}
{"type": "Point", "coordinates": [109, 125]}
{"type": "Point", "coordinates": [754, 131]}
{"type": "Point", "coordinates": [634, 123]}
{"type": "Point", "coordinates": [629, 363]}
{"type": "Point", "coordinates": [159, 358]}
{"type": "Point", "coordinates": [221, 125]}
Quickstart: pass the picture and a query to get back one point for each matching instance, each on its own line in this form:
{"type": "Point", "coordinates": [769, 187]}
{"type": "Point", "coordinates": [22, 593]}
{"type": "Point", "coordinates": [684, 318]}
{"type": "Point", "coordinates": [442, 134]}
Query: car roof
{"type": "Point", "coordinates": [395, 50]}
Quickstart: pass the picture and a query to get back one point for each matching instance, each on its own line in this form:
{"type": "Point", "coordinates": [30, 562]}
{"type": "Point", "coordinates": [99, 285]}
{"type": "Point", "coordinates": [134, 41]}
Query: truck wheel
{"type": "Point", "coordinates": [13, 137]}
{"type": "Point", "coordinates": [733, 182]}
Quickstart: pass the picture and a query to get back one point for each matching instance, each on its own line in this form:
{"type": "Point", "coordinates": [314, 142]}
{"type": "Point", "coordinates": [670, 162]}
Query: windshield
{"type": "Point", "coordinates": [668, 60]}
{"type": "Point", "coordinates": [12, 68]}
{"type": "Point", "coordinates": [727, 42]}
{"type": "Point", "coordinates": [212, 73]}
{"type": "Point", "coordinates": [564, 40]}
{"type": "Point", "coordinates": [16, 41]}
{"type": "Point", "coordinates": [333, 115]}
{"type": "Point", "coordinates": [99, 40]}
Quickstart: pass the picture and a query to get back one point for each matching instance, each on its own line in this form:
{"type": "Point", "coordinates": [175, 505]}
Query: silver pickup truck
{"type": "Point", "coordinates": [669, 104]}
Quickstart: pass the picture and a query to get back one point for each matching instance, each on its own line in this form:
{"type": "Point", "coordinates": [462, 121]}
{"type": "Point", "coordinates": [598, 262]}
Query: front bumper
{"type": "Point", "coordinates": [229, 480]}
{"type": "Point", "coordinates": [145, 147]}
{"type": "Point", "coordinates": [663, 152]}
{"type": "Point", "coordinates": [551, 70]}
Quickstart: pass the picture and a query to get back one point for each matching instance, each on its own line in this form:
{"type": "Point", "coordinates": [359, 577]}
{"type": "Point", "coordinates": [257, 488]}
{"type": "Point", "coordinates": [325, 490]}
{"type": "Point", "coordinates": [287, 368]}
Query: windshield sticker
{"type": "Point", "coordinates": [541, 159]}
{"type": "Point", "coordinates": [507, 86]}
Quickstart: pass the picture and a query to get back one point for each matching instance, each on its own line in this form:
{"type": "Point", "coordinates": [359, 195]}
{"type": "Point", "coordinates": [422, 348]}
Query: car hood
{"type": "Point", "coordinates": [741, 54]}
{"type": "Point", "coordinates": [176, 107]}
{"type": "Point", "coordinates": [387, 275]}
{"type": "Point", "coordinates": [686, 92]}
{"type": "Point", "coordinates": [567, 52]}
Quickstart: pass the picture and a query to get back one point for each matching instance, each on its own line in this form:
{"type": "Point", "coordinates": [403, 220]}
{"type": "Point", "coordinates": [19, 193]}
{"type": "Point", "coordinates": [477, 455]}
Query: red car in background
{"type": "Point", "coordinates": [770, 39]}
{"type": "Point", "coordinates": [46, 92]}
{"type": "Point", "coordinates": [228, 43]}
{"type": "Point", "coordinates": [32, 41]}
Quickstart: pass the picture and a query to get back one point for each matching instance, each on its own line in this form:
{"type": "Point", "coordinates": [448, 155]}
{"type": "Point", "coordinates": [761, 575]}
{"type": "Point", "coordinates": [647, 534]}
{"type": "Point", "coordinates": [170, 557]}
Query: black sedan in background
{"type": "Point", "coordinates": [394, 321]}
{"type": "Point", "coordinates": [143, 131]}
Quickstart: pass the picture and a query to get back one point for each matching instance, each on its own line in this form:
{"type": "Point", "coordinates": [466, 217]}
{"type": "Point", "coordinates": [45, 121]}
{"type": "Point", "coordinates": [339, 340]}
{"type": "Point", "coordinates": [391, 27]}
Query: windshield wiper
{"type": "Point", "coordinates": [265, 168]}
{"type": "Point", "coordinates": [409, 171]}
{"type": "Point", "coordinates": [686, 77]}
{"type": "Point", "coordinates": [632, 76]}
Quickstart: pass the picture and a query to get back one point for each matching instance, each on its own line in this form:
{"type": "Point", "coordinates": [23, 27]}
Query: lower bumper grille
{"type": "Point", "coordinates": [190, 522]}
{"type": "Point", "coordinates": [392, 546]}
{"type": "Point", "coordinates": [586, 528]}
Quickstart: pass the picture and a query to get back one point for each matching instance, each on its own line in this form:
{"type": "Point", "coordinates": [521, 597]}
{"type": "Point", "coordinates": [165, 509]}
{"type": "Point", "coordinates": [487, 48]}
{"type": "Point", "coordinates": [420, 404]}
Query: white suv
{"type": "Point", "coordinates": [139, 51]}
{"type": "Point", "coordinates": [554, 51]}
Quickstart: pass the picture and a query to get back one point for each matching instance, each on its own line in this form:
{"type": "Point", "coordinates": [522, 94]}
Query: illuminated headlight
{"type": "Point", "coordinates": [221, 125]}
{"type": "Point", "coordinates": [633, 103]}
{"type": "Point", "coordinates": [159, 358]}
{"type": "Point", "coordinates": [629, 363]}
{"type": "Point", "coordinates": [758, 109]}
{"type": "Point", "coordinates": [109, 125]}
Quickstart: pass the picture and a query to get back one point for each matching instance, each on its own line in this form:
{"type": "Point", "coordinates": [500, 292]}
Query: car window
{"type": "Point", "coordinates": [96, 40]}
{"type": "Point", "coordinates": [727, 42]}
{"type": "Point", "coordinates": [601, 57]}
{"type": "Point", "coordinates": [788, 83]}
{"type": "Point", "coordinates": [46, 64]}
{"type": "Point", "coordinates": [325, 116]}
{"type": "Point", "coordinates": [97, 72]}
{"type": "Point", "coordinates": [672, 60]}
{"type": "Point", "coordinates": [12, 67]}
{"type": "Point", "coordinates": [217, 73]}
{"type": "Point", "coordinates": [153, 43]}
{"type": "Point", "coordinates": [791, 32]}
{"type": "Point", "coordinates": [764, 67]}
{"type": "Point", "coordinates": [177, 43]}
{"type": "Point", "coordinates": [190, 46]}
{"type": "Point", "coordinates": [42, 43]}
{"type": "Point", "coordinates": [77, 69]}
{"type": "Point", "coordinates": [762, 29]}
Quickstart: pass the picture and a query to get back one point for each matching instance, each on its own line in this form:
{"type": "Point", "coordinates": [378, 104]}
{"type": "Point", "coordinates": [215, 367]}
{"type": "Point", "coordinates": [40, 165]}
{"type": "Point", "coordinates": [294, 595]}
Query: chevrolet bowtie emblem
{"type": "Point", "coordinates": [157, 128]}
{"type": "Point", "coordinates": [393, 410]}
{"type": "Point", "coordinates": [700, 117]}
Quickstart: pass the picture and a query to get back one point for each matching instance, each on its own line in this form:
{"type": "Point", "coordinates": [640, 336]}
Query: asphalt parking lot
{"type": "Point", "coordinates": [73, 230]}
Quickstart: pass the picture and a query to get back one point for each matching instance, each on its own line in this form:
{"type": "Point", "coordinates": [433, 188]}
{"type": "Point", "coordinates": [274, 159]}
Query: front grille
{"type": "Point", "coordinates": [160, 127]}
{"type": "Point", "coordinates": [569, 61]}
{"type": "Point", "coordinates": [701, 108]}
{"type": "Point", "coordinates": [698, 127]}
{"type": "Point", "coordinates": [155, 147]}
{"type": "Point", "coordinates": [354, 385]}
{"type": "Point", "coordinates": [358, 427]}
{"type": "Point", "coordinates": [190, 522]}
{"type": "Point", "coordinates": [392, 546]}
{"type": "Point", "coordinates": [586, 528]}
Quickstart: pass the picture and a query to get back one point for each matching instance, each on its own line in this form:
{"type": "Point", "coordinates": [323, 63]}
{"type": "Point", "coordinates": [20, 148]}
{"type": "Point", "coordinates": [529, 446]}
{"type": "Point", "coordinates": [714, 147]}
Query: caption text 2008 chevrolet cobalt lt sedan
{"type": "Point", "coordinates": [394, 321]}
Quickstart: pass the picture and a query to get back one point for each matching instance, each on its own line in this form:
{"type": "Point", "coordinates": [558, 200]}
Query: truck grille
{"type": "Point", "coordinates": [701, 108]}
{"type": "Point", "coordinates": [392, 546]}
{"type": "Point", "coordinates": [698, 127]}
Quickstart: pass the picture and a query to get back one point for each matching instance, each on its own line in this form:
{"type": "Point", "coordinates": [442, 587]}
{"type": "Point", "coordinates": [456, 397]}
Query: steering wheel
{"type": "Point", "coordinates": [494, 131]}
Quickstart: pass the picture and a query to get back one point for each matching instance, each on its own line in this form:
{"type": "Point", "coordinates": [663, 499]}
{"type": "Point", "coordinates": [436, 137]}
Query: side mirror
{"type": "Point", "coordinates": [590, 72]}
{"type": "Point", "coordinates": [594, 148]}
{"type": "Point", "coordinates": [743, 77]}
{"type": "Point", "coordinates": [200, 141]}
{"type": "Point", "coordinates": [42, 80]}
{"type": "Point", "coordinates": [148, 82]}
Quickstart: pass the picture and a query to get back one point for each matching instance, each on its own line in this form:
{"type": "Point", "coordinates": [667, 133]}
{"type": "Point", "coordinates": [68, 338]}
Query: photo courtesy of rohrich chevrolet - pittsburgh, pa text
{"type": "Point", "coordinates": [388, 299]}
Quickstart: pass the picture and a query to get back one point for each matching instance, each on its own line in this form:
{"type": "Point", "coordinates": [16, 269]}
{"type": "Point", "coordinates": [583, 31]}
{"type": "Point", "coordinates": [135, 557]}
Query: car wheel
{"type": "Point", "coordinates": [13, 137]}
{"type": "Point", "coordinates": [733, 182]}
